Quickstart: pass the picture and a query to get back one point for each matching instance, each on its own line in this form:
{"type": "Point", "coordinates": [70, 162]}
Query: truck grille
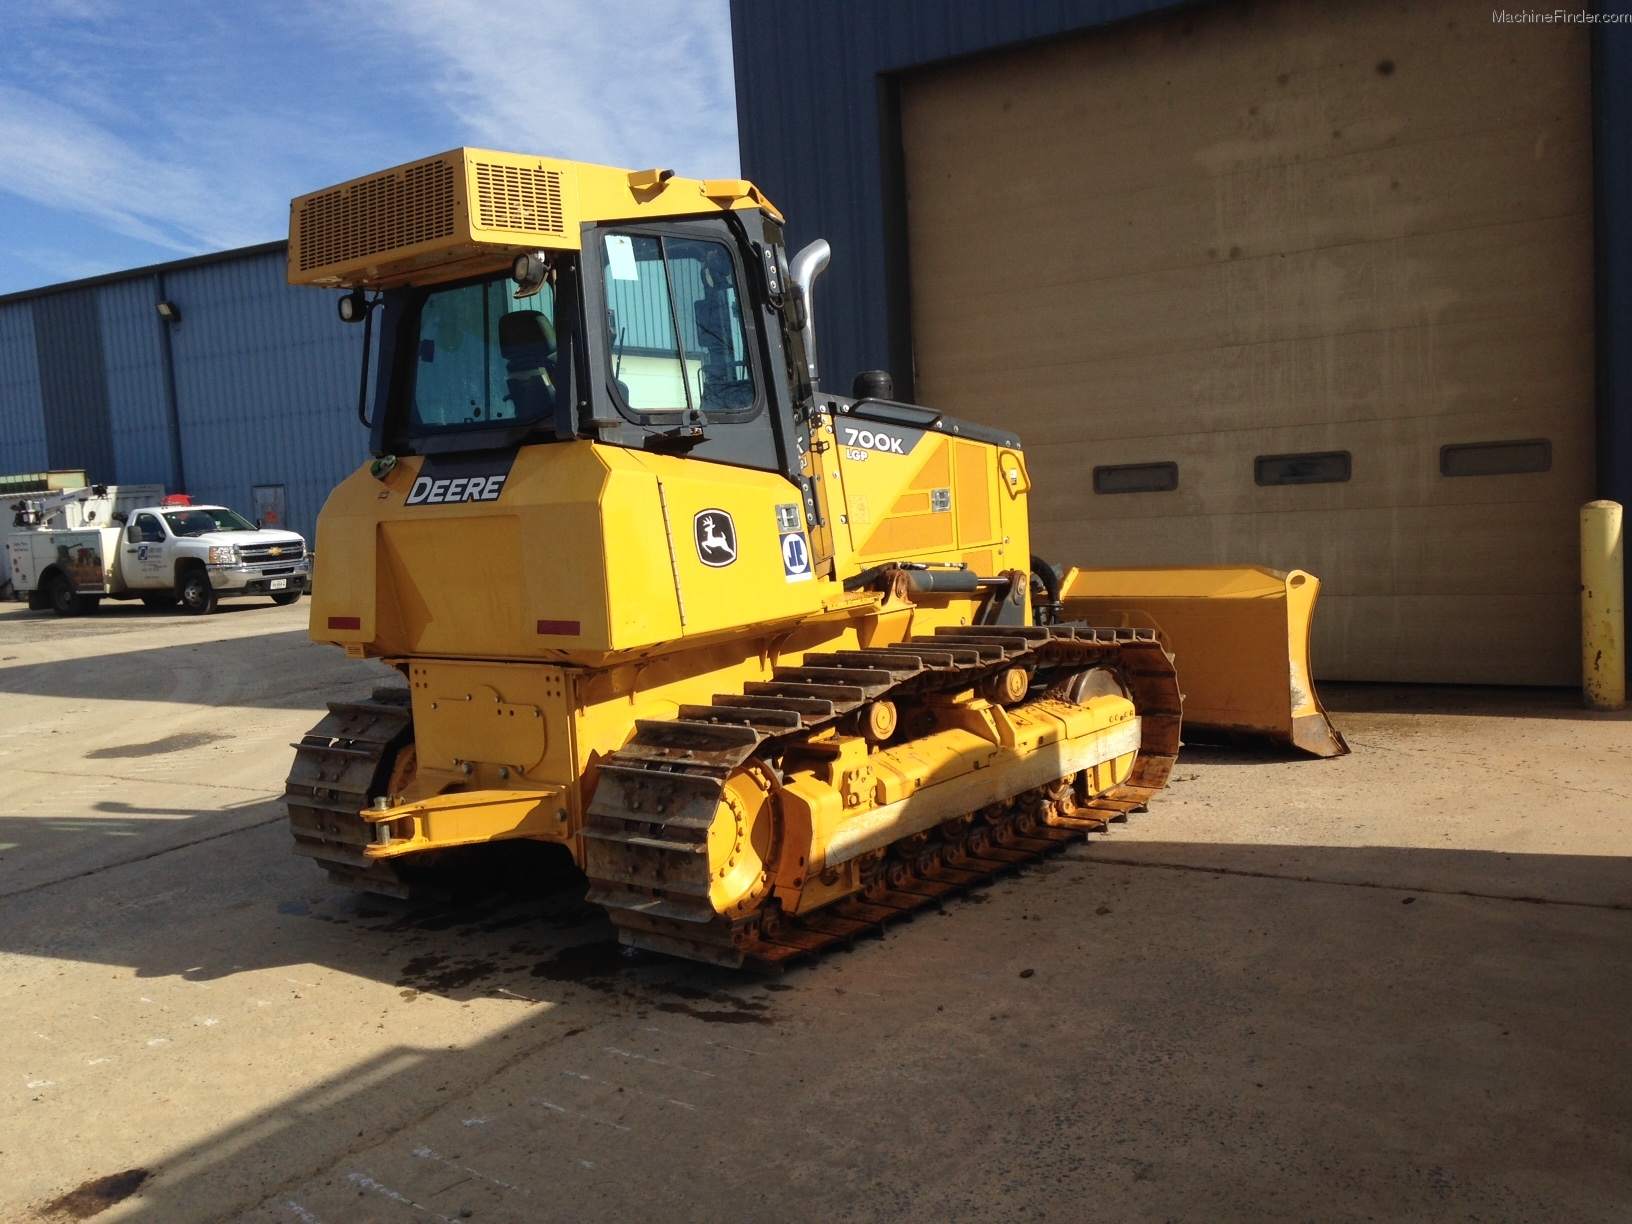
{"type": "Point", "coordinates": [263, 554]}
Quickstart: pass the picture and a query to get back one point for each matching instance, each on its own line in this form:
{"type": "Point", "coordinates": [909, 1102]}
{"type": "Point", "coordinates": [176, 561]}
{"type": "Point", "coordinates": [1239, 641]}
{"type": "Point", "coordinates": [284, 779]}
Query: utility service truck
{"type": "Point", "coordinates": [67, 551]}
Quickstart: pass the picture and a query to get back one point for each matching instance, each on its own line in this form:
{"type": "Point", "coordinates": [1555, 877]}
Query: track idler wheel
{"type": "Point", "coordinates": [1083, 686]}
{"type": "Point", "coordinates": [742, 845]}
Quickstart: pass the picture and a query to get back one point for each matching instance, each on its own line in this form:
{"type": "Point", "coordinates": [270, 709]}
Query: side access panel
{"type": "Point", "coordinates": [77, 554]}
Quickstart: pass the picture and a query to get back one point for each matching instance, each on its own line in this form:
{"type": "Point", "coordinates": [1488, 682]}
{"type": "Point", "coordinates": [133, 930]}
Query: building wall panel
{"type": "Point", "coordinates": [266, 380]}
{"type": "Point", "coordinates": [22, 414]}
{"type": "Point", "coordinates": [132, 351]}
{"type": "Point", "coordinates": [73, 383]}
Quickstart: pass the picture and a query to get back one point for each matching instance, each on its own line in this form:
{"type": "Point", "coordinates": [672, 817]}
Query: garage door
{"type": "Point", "coordinates": [1302, 284]}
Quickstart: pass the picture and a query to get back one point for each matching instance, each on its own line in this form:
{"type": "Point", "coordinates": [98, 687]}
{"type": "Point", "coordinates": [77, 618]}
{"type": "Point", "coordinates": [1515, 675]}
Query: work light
{"type": "Point", "coordinates": [528, 272]}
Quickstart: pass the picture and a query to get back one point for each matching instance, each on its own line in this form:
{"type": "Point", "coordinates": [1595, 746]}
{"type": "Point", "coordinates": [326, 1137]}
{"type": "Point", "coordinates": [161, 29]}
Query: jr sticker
{"type": "Point", "coordinates": [796, 557]}
{"type": "Point", "coordinates": [447, 479]}
{"type": "Point", "coordinates": [716, 537]}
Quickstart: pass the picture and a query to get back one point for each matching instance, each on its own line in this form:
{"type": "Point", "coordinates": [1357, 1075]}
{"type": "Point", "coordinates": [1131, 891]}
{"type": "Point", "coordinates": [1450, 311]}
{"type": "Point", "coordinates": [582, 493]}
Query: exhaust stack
{"type": "Point", "coordinates": [803, 271]}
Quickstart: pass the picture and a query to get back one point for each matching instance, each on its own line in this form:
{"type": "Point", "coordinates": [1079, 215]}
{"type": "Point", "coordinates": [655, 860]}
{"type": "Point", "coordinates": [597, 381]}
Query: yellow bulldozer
{"type": "Point", "coordinates": [773, 665]}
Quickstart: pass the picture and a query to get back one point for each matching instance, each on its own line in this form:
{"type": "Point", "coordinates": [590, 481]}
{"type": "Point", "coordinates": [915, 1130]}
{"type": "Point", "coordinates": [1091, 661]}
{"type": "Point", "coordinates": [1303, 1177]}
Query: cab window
{"type": "Point", "coordinates": [203, 520]}
{"type": "Point", "coordinates": [484, 357]}
{"type": "Point", "coordinates": [676, 340]}
{"type": "Point", "coordinates": [146, 530]}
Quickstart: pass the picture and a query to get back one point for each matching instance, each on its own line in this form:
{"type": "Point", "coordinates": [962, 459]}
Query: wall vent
{"type": "Point", "coordinates": [520, 198]}
{"type": "Point", "coordinates": [386, 213]}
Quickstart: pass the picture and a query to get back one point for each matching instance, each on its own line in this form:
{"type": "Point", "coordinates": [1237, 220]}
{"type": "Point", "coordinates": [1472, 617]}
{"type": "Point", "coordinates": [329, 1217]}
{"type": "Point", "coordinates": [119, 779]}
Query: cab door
{"type": "Point", "coordinates": [675, 355]}
{"type": "Point", "coordinates": [147, 550]}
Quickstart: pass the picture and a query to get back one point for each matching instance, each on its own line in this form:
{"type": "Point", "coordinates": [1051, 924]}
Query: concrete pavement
{"type": "Point", "coordinates": [1391, 986]}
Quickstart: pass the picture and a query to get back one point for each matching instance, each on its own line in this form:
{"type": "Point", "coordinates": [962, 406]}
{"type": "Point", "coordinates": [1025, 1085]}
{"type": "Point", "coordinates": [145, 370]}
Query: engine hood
{"type": "Point", "coordinates": [248, 539]}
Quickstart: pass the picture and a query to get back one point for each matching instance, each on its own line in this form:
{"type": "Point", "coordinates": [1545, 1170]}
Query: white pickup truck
{"type": "Point", "coordinates": [69, 552]}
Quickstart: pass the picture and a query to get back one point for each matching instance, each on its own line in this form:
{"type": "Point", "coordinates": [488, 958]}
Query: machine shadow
{"type": "Point", "coordinates": [510, 919]}
{"type": "Point", "coordinates": [1598, 881]}
{"type": "Point", "coordinates": [42, 852]}
{"type": "Point", "coordinates": [304, 673]}
{"type": "Point", "coordinates": [557, 950]}
{"type": "Point", "coordinates": [504, 920]}
{"type": "Point", "coordinates": [126, 611]}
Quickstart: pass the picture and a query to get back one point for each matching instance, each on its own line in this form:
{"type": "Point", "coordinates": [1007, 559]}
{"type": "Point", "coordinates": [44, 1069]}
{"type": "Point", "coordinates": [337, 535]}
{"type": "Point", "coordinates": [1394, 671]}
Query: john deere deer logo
{"type": "Point", "coordinates": [716, 537]}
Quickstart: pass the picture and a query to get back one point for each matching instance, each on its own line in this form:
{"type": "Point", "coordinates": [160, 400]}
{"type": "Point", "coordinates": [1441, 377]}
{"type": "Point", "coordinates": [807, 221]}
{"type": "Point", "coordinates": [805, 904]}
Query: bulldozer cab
{"type": "Point", "coordinates": [658, 338]}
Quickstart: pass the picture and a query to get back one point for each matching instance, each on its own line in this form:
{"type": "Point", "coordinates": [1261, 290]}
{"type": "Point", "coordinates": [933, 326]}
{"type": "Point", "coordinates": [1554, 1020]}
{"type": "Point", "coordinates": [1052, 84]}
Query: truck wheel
{"type": "Point", "coordinates": [196, 594]}
{"type": "Point", "coordinates": [284, 598]}
{"type": "Point", "coordinates": [166, 600]}
{"type": "Point", "coordinates": [65, 600]}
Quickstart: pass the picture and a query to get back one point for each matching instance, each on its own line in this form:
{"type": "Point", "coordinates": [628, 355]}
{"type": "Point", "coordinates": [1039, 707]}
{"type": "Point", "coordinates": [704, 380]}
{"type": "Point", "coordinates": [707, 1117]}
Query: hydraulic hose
{"type": "Point", "coordinates": [1046, 614]}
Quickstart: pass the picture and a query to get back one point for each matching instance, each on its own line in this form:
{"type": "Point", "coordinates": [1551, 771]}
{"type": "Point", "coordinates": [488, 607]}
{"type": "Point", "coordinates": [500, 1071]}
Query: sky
{"type": "Point", "coordinates": [134, 133]}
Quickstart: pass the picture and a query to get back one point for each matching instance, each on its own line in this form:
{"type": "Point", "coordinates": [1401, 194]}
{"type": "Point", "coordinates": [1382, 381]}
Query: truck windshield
{"type": "Point", "coordinates": [201, 520]}
{"type": "Point", "coordinates": [484, 357]}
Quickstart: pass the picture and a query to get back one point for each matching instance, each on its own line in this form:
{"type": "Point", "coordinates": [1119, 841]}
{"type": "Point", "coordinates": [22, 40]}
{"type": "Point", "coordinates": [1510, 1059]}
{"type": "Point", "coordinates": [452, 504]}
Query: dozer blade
{"type": "Point", "coordinates": [1240, 639]}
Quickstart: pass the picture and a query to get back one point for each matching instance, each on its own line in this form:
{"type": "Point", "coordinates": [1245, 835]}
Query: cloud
{"type": "Point", "coordinates": [187, 127]}
{"type": "Point", "coordinates": [55, 157]}
{"type": "Point", "coordinates": [624, 82]}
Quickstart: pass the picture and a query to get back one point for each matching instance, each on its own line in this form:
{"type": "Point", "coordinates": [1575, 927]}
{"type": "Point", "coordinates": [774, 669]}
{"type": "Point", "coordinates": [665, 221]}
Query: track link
{"type": "Point", "coordinates": [338, 769]}
{"type": "Point", "coordinates": [645, 839]}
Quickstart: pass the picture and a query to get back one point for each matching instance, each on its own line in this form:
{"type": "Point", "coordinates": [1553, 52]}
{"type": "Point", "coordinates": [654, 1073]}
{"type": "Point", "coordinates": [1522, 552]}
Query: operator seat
{"type": "Point", "coordinates": [527, 344]}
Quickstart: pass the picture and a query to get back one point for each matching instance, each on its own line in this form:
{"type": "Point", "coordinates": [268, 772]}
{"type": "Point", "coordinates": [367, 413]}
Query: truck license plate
{"type": "Point", "coordinates": [279, 583]}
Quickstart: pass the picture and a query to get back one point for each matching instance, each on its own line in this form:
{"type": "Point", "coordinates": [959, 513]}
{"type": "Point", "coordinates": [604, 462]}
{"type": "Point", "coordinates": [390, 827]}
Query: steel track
{"type": "Point", "coordinates": [645, 838]}
{"type": "Point", "coordinates": [337, 766]}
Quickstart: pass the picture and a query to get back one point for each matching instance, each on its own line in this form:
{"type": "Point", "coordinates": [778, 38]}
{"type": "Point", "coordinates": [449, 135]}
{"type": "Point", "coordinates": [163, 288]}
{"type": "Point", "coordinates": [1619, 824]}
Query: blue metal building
{"type": "Point", "coordinates": [255, 385]}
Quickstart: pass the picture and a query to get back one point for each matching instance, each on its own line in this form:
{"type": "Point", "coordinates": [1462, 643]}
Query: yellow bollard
{"type": "Point", "coordinates": [1603, 607]}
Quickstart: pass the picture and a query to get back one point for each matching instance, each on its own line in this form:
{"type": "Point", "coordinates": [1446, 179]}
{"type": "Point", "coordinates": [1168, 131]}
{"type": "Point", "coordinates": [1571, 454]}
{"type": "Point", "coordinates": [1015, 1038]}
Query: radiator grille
{"type": "Point", "coordinates": [386, 213]}
{"type": "Point", "coordinates": [518, 198]}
